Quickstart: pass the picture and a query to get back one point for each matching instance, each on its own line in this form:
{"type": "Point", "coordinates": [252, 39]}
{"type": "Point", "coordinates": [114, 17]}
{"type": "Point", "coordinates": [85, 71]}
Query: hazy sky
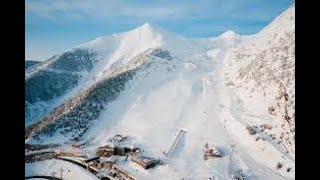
{"type": "Point", "coordinates": [54, 25]}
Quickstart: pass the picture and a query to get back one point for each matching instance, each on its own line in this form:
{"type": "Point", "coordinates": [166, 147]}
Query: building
{"type": "Point", "coordinates": [93, 162]}
{"type": "Point", "coordinates": [108, 162]}
{"type": "Point", "coordinates": [117, 139]}
{"type": "Point", "coordinates": [105, 151]}
{"type": "Point", "coordinates": [92, 159]}
{"type": "Point", "coordinates": [145, 162]}
{"type": "Point", "coordinates": [119, 151]}
{"type": "Point", "coordinates": [212, 152]}
{"type": "Point", "coordinates": [119, 173]}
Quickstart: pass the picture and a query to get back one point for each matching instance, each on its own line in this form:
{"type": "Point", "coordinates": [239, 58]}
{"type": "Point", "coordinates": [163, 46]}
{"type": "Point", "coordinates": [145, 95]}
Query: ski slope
{"type": "Point", "coordinates": [194, 97]}
{"type": "Point", "coordinates": [188, 92]}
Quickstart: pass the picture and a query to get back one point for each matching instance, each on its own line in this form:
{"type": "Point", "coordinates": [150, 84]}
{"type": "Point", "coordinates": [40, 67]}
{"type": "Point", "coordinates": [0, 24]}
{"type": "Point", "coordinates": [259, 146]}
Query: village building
{"type": "Point", "coordinates": [93, 162]}
{"type": "Point", "coordinates": [107, 151]}
{"type": "Point", "coordinates": [145, 162]}
{"type": "Point", "coordinates": [119, 173]}
{"type": "Point", "coordinates": [108, 162]}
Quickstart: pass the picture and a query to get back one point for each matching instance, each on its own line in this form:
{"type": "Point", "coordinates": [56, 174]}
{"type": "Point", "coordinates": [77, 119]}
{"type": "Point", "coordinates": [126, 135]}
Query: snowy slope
{"type": "Point", "coordinates": [119, 49]}
{"type": "Point", "coordinates": [262, 72]}
{"type": "Point", "coordinates": [82, 66]}
{"type": "Point", "coordinates": [53, 167]}
{"type": "Point", "coordinates": [149, 83]}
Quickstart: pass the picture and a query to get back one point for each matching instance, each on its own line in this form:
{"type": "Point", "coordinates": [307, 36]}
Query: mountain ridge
{"type": "Point", "coordinates": [233, 91]}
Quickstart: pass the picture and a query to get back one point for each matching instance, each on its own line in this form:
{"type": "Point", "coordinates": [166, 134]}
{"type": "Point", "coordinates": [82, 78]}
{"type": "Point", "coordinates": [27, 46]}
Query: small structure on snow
{"type": "Point", "coordinates": [93, 162]}
{"type": "Point", "coordinates": [175, 142]}
{"type": "Point", "coordinates": [108, 162]}
{"type": "Point", "coordinates": [92, 159]}
{"type": "Point", "coordinates": [79, 146]}
{"type": "Point", "coordinates": [145, 162]}
{"type": "Point", "coordinates": [107, 151]}
{"type": "Point", "coordinates": [211, 152]}
{"type": "Point", "coordinates": [117, 138]}
{"type": "Point", "coordinates": [118, 173]}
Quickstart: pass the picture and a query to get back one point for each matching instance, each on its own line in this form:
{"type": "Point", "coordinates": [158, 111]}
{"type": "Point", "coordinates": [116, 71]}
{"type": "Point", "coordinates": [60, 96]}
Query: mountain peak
{"type": "Point", "coordinates": [146, 27]}
{"type": "Point", "coordinates": [228, 35]}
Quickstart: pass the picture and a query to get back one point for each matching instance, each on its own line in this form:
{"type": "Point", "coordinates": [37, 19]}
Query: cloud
{"type": "Point", "coordinates": [158, 10]}
{"type": "Point", "coordinates": [163, 10]}
{"type": "Point", "coordinates": [153, 12]}
{"type": "Point", "coordinates": [133, 13]}
{"type": "Point", "coordinates": [101, 9]}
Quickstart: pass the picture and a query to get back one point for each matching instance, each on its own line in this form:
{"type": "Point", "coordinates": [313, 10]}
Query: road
{"type": "Point", "coordinates": [43, 177]}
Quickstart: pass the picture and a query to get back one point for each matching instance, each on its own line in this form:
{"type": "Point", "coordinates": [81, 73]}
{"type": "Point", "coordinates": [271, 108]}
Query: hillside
{"type": "Point", "coordinates": [29, 63]}
{"type": "Point", "coordinates": [262, 72]}
{"type": "Point", "coordinates": [173, 98]}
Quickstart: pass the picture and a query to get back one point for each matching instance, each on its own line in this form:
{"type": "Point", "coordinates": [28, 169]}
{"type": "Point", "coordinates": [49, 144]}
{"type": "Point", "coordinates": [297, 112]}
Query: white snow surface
{"type": "Point", "coordinates": [189, 93]}
{"type": "Point", "coordinates": [118, 49]}
{"type": "Point", "coordinates": [50, 167]}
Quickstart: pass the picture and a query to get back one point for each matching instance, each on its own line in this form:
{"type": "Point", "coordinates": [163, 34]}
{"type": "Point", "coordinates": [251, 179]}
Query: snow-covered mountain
{"type": "Point", "coordinates": [262, 72]}
{"type": "Point", "coordinates": [232, 91]}
{"type": "Point", "coordinates": [52, 82]}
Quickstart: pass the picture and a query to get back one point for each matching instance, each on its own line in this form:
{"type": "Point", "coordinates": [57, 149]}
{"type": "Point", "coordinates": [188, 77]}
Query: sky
{"type": "Point", "coordinates": [52, 26]}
